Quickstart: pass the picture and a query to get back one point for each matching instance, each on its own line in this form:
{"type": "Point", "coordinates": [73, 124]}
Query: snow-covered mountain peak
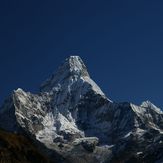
{"type": "Point", "coordinates": [77, 66]}
{"type": "Point", "coordinates": [148, 104]}
{"type": "Point", "coordinates": [71, 76]}
{"type": "Point", "coordinates": [71, 70]}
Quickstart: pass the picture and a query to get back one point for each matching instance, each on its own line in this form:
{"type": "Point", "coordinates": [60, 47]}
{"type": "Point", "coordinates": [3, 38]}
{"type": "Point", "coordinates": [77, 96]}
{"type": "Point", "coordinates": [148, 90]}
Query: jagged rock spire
{"type": "Point", "coordinates": [76, 66]}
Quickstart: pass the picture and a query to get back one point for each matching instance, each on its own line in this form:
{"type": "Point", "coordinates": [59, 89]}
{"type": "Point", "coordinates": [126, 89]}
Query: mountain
{"type": "Point", "coordinates": [73, 117]}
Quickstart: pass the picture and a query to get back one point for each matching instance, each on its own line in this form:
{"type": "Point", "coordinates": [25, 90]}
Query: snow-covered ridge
{"type": "Point", "coordinates": [148, 104]}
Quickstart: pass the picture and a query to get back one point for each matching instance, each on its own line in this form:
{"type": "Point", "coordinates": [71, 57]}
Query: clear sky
{"type": "Point", "coordinates": [121, 42]}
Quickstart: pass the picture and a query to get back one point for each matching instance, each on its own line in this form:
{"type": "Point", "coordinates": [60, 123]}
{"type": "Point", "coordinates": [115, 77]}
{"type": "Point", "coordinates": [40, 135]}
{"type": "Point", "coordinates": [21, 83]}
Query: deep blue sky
{"type": "Point", "coordinates": [121, 42]}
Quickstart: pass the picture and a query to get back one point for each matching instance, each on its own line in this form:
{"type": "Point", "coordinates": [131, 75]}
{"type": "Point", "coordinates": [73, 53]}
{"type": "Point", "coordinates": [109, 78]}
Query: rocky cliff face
{"type": "Point", "coordinates": [72, 116]}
